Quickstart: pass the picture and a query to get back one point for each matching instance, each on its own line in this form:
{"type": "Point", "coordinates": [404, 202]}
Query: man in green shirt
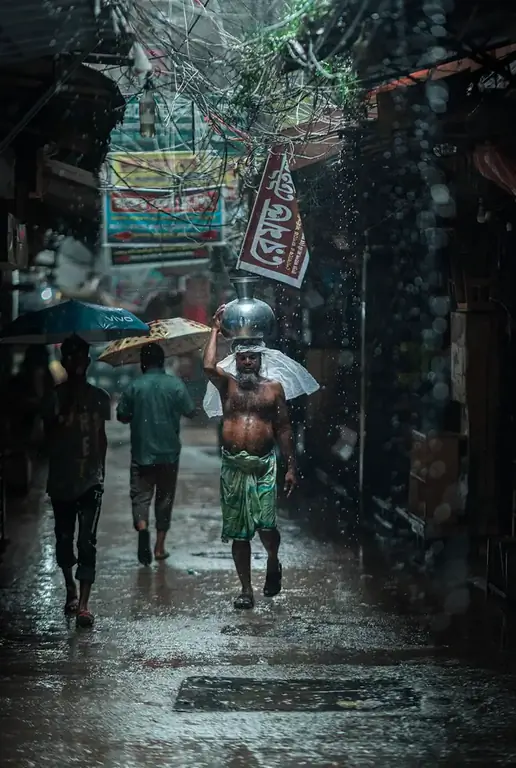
{"type": "Point", "coordinates": [153, 405]}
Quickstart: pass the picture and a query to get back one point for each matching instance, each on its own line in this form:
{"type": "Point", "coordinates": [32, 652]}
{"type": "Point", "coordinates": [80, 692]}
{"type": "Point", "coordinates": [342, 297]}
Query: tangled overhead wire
{"type": "Point", "coordinates": [224, 91]}
{"type": "Point", "coordinates": [238, 80]}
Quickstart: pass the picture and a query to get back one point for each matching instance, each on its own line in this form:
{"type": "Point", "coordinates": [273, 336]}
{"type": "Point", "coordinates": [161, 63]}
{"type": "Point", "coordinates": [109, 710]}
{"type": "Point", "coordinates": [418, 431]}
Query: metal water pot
{"type": "Point", "coordinates": [247, 317]}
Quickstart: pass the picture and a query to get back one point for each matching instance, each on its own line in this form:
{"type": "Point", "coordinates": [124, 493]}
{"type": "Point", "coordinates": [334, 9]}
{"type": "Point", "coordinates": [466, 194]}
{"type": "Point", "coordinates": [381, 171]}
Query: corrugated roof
{"type": "Point", "coordinates": [31, 29]}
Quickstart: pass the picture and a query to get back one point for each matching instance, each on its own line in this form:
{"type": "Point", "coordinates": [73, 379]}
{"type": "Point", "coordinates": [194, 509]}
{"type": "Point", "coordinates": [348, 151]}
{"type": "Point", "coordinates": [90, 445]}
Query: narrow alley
{"type": "Point", "coordinates": [341, 669]}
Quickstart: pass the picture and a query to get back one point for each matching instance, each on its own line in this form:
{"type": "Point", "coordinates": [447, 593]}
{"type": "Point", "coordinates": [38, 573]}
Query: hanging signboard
{"type": "Point", "coordinates": [274, 244]}
{"type": "Point", "coordinates": [172, 170]}
{"type": "Point", "coordinates": [137, 217]}
{"type": "Point", "coordinates": [156, 254]}
{"type": "Point", "coordinates": [134, 287]}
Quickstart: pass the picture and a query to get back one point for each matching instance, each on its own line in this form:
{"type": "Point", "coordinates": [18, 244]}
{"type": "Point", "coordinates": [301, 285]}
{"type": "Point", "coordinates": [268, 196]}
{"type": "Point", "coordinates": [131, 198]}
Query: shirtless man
{"type": "Point", "coordinates": [255, 417]}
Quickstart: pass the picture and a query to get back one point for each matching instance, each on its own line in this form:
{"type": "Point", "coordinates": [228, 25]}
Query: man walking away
{"type": "Point", "coordinates": [74, 416]}
{"type": "Point", "coordinates": [153, 405]}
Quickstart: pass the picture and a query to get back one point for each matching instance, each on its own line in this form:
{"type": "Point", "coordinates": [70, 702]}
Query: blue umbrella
{"type": "Point", "coordinates": [91, 322]}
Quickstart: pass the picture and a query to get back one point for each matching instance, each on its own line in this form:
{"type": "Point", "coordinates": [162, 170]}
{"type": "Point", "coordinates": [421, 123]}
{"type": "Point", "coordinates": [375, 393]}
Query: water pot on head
{"type": "Point", "coordinates": [247, 317]}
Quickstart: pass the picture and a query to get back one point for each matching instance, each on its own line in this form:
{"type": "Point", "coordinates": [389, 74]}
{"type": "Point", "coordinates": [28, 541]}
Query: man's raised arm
{"type": "Point", "coordinates": [211, 369]}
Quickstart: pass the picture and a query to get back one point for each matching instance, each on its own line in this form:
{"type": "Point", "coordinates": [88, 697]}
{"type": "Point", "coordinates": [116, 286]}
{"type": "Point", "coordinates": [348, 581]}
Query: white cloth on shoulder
{"type": "Point", "coordinates": [275, 366]}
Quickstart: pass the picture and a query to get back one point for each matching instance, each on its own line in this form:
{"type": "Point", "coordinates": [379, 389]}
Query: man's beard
{"type": "Point", "coordinates": [248, 381]}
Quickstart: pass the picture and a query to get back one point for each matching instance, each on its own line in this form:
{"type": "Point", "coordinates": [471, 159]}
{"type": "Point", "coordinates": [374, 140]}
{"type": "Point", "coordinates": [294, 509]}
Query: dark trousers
{"type": "Point", "coordinates": [161, 478]}
{"type": "Point", "coordinates": [85, 509]}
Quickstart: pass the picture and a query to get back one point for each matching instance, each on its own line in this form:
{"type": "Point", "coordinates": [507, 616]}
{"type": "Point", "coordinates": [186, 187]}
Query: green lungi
{"type": "Point", "coordinates": [247, 494]}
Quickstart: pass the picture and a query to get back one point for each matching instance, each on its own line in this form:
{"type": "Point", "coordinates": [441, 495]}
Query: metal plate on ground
{"type": "Point", "coordinates": [226, 555]}
{"type": "Point", "coordinates": [239, 694]}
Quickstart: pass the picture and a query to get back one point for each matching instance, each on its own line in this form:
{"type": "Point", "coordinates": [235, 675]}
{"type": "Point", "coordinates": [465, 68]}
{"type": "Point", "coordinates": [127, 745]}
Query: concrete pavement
{"type": "Point", "coordinates": [349, 666]}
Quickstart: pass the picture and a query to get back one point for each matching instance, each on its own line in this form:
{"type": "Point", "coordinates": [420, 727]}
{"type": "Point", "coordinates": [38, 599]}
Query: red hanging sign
{"type": "Point", "coordinates": [274, 244]}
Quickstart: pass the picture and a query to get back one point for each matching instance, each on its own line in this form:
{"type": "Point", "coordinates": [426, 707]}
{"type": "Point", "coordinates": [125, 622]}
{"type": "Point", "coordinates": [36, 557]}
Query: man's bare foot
{"type": "Point", "coordinates": [245, 601]}
{"type": "Point", "coordinates": [72, 603]}
{"type": "Point", "coordinates": [160, 553]}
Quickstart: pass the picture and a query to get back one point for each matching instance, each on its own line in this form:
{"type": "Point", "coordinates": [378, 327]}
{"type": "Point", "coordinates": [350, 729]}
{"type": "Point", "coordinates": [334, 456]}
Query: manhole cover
{"type": "Point", "coordinates": [236, 694]}
{"type": "Point", "coordinates": [223, 555]}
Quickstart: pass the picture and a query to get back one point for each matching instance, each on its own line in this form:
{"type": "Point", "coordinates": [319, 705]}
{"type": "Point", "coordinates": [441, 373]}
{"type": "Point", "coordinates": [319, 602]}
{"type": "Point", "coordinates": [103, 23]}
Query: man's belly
{"type": "Point", "coordinates": [247, 433]}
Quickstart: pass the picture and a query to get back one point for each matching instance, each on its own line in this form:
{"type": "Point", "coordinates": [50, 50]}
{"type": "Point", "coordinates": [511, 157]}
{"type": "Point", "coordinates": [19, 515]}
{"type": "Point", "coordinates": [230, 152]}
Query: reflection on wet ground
{"type": "Point", "coordinates": [350, 666]}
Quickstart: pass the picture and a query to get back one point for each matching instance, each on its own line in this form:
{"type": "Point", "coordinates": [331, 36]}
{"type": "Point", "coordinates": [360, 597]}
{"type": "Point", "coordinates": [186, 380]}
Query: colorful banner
{"type": "Point", "coordinates": [274, 244]}
{"type": "Point", "coordinates": [188, 130]}
{"type": "Point", "coordinates": [138, 217]}
{"type": "Point", "coordinates": [172, 170]}
{"type": "Point", "coordinates": [177, 134]}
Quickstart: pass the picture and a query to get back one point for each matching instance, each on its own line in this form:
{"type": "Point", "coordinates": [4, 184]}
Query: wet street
{"type": "Point", "coordinates": [349, 666]}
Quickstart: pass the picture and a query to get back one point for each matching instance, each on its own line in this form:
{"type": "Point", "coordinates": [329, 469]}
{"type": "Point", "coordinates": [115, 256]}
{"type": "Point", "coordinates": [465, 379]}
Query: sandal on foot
{"type": "Point", "coordinates": [162, 556]}
{"type": "Point", "coordinates": [245, 601]}
{"type": "Point", "coordinates": [71, 606]}
{"type": "Point", "coordinates": [272, 584]}
{"type": "Point", "coordinates": [144, 548]}
{"type": "Point", "coordinates": [85, 619]}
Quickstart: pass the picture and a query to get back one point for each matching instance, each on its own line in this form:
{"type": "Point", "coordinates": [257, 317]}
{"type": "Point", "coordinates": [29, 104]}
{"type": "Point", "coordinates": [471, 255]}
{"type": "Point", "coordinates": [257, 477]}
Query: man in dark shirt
{"type": "Point", "coordinates": [153, 405]}
{"type": "Point", "coordinates": [74, 416]}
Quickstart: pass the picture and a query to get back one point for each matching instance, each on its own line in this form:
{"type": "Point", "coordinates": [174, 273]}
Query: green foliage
{"type": "Point", "coordinates": [265, 84]}
{"type": "Point", "coordinates": [300, 17]}
{"type": "Point", "coordinates": [338, 76]}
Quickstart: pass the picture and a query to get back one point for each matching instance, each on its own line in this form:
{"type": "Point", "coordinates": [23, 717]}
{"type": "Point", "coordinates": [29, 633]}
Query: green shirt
{"type": "Point", "coordinates": [154, 404]}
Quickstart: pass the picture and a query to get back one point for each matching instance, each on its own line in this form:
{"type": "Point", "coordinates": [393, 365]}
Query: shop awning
{"type": "Point", "coordinates": [387, 40]}
{"type": "Point", "coordinates": [72, 133]}
{"type": "Point", "coordinates": [32, 29]}
{"type": "Point", "coordinates": [75, 120]}
{"type": "Point", "coordinates": [447, 69]}
{"type": "Point", "coordinates": [71, 189]}
{"type": "Point", "coordinates": [69, 200]}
